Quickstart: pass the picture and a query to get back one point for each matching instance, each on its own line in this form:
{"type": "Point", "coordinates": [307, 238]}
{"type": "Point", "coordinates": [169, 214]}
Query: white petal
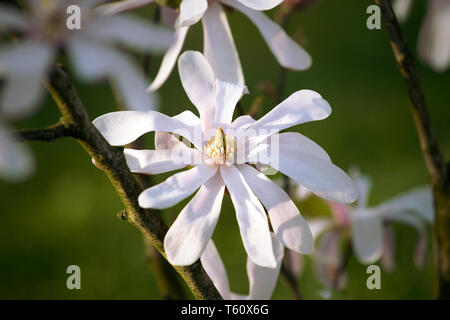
{"type": "Point", "coordinates": [261, 5]}
{"type": "Point", "coordinates": [130, 31]}
{"type": "Point", "coordinates": [176, 188]}
{"type": "Point", "coordinates": [120, 6]}
{"type": "Point", "coordinates": [367, 235]}
{"type": "Point", "coordinates": [318, 175]}
{"type": "Point", "coordinates": [123, 127]}
{"type": "Point", "coordinates": [434, 37]}
{"type": "Point", "coordinates": [191, 11]}
{"type": "Point", "coordinates": [289, 226]}
{"type": "Point", "coordinates": [402, 8]}
{"type": "Point", "coordinates": [419, 201]}
{"type": "Point", "coordinates": [165, 140]}
{"type": "Point", "coordinates": [242, 122]}
{"type": "Point", "coordinates": [160, 161]}
{"type": "Point", "coordinates": [14, 103]}
{"type": "Point", "coordinates": [300, 107]}
{"type": "Point", "coordinates": [16, 161]}
{"type": "Point", "coordinates": [219, 47]}
{"type": "Point", "coordinates": [193, 228]}
{"type": "Point", "coordinates": [198, 81]}
{"type": "Point", "coordinates": [11, 18]}
{"type": "Point", "coordinates": [288, 53]}
{"type": "Point", "coordinates": [228, 95]}
{"type": "Point", "coordinates": [364, 184]}
{"type": "Point", "coordinates": [289, 140]}
{"type": "Point", "coordinates": [328, 258]}
{"type": "Point", "coordinates": [170, 58]}
{"type": "Point", "coordinates": [319, 226]}
{"type": "Point", "coordinates": [262, 279]}
{"type": "Point", "coordinates": [251, 218]}
{"type": "Point", "coordinates": [94, 61]}
{"type": "Point", "coordinates": [214, 267]}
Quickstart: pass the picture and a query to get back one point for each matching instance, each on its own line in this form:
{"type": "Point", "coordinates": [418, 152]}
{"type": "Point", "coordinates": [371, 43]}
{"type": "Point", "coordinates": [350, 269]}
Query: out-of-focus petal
{"type": "Point", "coordinates": [16, 161]}
{"type": "Point", "coordinates": [288, 225]}
{"type": "Point", "coordinates": [194, 226]}
{"type": "Point", "coordinates": [319, 226]}
{"type": "Point", "coordinates": [219, 47]}
{"type": "Point", "coordinates": [367, 235]}
{"type": "Point", "coordinates": [288, 53]}
{"type": "Point", "coordinates": [198, 81]}
{"type": "Point", "coordinates": [262, 280]}
{"type": "Point", "coordinates": [434, 37]}
{"type": "Point", "coordinates": [388, 256]}
{"type": "Point", "coordinates": [251, 218]}
{"type": "Point", "coordinates": [191, 11]}
{"type": "Point", "coordinates": [402, 8]}
{"type": "Point", "coordinates": [94, 61]}
{"type": "Point", "coordinates": [176, 188]}
{"type": "Point", "coordinates": [120, 6]}
{"type": "Point", "coordinates": [11, 18]}
{"type": "Point", "coordinates": [214, 267]}
{"type": "Point", "coordinates": [170, 58]}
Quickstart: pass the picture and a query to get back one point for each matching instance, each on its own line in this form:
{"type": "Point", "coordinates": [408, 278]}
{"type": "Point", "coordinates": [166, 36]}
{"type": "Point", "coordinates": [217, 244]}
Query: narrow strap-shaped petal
{"type": "Point", "coordinates": [260, 5]}
{"type": "Point", "coordinates": [93, 61]}
{"type": "Point", "coordinates": [214, 267]}
{"type": "Point", "coordinates": [364, 184]}
{"type": "Point", "coordinates": [288, 53]}
{"type": "Point", "coordinates": [121, 6]}
{"type": "Point", "coordinates": [123, 127]}
{"type": "Point", "coordinates": [227, 97]}
{"type": "Point", "coordinates": [317, 174]}
{"type": "Point", "coordinates": [170, 58]}
{"type": "Point", "coordinates": [176, 188]}
{"type": "Point", "coordinates": [192, 230]}
{"type": "Point", "coordinates": [402, 8]}
{"type": "Point", "coordinates": [262, 280]}
{"type": "Point", "coordinates": [289, 226]}
{"type": "Point", "coordinates": [388, 256]}
{"type": "Point", "coordinates": [367, 235]}
{"type": "Point", "coordinates": [191, 11]}
{"type": "Point", "coordinates": [160, 161]}
{"type": "Point", "coordinates": [219, 47]}
{"type": "Point", "coordinates": [300, 107]}
{"type": "Point", "coordinates": [319, 226]}
{"type": "Point", "coordinates": [198, 81]}
{"type": "Point", "coordinates": [251, 218]}
{"type": "Point", "coordinates": [16, 162]}
{"type": "Point", "coordinates": [130, 31]}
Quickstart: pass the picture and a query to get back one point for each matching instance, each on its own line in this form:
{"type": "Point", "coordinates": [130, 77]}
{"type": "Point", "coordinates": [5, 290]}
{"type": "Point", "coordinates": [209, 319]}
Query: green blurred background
{"type": "Point", "coordinates": [66, 213]}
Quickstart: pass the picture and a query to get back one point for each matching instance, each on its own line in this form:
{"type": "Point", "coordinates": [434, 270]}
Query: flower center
{"type": "Point", "coordinates": [221, 148]}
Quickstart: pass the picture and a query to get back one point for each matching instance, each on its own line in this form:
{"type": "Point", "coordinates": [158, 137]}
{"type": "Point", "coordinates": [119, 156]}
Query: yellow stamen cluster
{"type": "Point", "coordinates": [221, 148]}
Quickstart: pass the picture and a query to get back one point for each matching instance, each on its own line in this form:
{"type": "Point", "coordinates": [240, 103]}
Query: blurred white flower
{"type": "Point", "coordinates": [372, 237]}
{"type": "Point", "coordinates": [16, 162]}
{"type": "Point", "coordinates": [434, 38]}
{"type": "Point", "coordinates": [219, 47]}
{"type": "Point", "coordinates": [221, 162]}
{"type": "Point", "coordinates": [43, 32]}
{"type": "Point", "coordinates": [262, 280]}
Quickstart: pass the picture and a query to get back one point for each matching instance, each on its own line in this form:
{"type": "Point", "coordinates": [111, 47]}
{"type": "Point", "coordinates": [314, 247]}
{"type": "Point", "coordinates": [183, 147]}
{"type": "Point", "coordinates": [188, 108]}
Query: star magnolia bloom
{"type": "Point", "coordinates": [219, 47]}
{"type": "Point", "coordinates": [220, 163]}
{"type": "Point", "coordinates": [434, 38]}
{"type": "Point", "coordinates": [24, 64]}
{"type": "Point", "coordinates": [372, 236]}
{"type": "Point", "coordinates": [262, 280]}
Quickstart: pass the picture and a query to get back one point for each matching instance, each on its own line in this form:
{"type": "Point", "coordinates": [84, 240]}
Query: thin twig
{"type": "Point", "coordinates": [112, 161]}
{"type": "Point", "coordinates": [434, 160]}
{"type": "Point", "coordinates": [48, 134]}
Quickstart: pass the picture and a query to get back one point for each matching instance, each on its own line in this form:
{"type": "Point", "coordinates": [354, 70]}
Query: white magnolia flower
{"type": "Point", "coordinates": [262, 280]}
{"type": "Point", "coordinates": [16, 162]}
{"type": "Point", "coordinates": [24, 64]}
{"type": "Point", "coordinates": [219, 47]}
{"type": "Point", "coordinates": [434, 38]}
{"type": "Point", "coordinates": [372, 237]}
{"type": "Point", "coordinates": [222, 162]}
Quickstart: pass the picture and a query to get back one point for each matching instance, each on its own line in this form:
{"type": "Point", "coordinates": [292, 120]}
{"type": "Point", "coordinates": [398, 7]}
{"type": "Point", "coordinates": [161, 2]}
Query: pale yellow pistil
{"type": "Point", "coordinates": [221, 148]}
